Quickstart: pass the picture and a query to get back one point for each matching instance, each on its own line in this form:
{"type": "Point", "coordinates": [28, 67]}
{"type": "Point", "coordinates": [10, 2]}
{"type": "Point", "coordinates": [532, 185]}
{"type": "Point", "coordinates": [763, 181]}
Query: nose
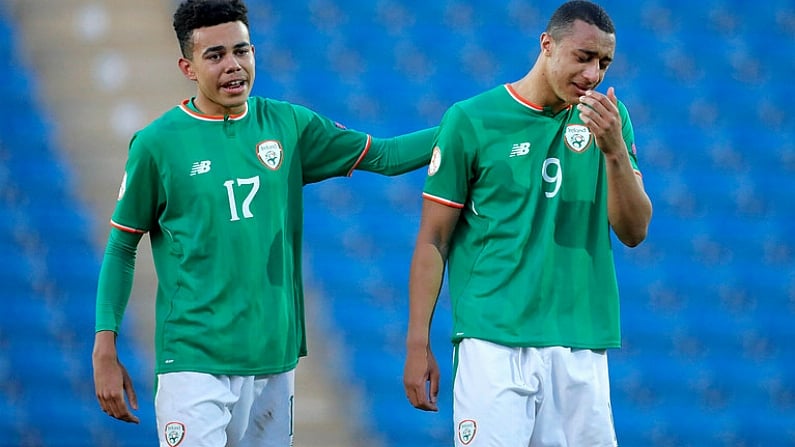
{"type": "Point", "coordinates": [232, 64]}
{"type": "Point", "coordinates": [591, 72]}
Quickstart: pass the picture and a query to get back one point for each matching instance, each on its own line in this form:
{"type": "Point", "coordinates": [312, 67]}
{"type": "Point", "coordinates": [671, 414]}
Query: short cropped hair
{"type": "Point", "coordinates": [194, 14]}
{"type": "Point", "coordinates": [591, 13]}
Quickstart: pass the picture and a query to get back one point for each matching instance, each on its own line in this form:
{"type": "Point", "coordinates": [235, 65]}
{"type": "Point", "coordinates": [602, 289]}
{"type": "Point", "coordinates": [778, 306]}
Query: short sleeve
{"type": "Point", "coordinates": [327, 148]}
{"type": "Point", "coordinates": [140, 197]}
{"type": "Point", "coordinates": [629, 135]}
{"type": "Point", "coordinates": [450, 171]}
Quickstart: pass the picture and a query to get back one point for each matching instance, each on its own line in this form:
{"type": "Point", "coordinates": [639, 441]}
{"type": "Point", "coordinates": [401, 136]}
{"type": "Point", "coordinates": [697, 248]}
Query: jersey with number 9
{"type": "Point", "coordinates": [530, 262]}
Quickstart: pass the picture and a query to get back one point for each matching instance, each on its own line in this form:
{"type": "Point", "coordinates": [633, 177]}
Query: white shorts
{"type": "Point", "coordinates": [512, 397]}
{"type": "Point", "coordinates": [205, 410]}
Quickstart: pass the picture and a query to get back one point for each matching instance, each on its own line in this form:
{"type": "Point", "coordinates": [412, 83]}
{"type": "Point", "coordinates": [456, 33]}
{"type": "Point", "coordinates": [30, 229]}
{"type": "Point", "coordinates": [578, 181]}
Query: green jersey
{"type": "Point", "coordinates": [222, 200]}
{"type": "Point", "coordinates": [530, 261]}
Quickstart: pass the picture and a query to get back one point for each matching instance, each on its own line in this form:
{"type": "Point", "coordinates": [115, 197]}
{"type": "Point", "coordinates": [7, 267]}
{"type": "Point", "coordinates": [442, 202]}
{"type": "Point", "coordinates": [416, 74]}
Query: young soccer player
{"type": "Point", "coordinates": [217, 183]}
{"type": "Point", "coordinates": [525, 183]}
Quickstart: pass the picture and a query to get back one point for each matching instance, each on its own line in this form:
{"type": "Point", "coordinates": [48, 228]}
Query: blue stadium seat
{"type": "Point", "coordinates": [47, 271]}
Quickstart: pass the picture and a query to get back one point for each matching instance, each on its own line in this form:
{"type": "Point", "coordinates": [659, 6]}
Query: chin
{"type": "Point", "coordinates": [236, 103]}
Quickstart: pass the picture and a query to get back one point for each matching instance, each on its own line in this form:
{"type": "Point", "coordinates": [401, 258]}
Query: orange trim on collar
{"type": "Point", "coordinates": [184, 106]}
{"type": "Point", "coordinates": [525, 102]}
{"type": "Point", "coordinates": [520, 99]}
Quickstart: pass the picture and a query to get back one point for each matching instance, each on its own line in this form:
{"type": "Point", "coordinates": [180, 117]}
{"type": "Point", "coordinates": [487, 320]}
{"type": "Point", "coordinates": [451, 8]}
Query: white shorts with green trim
{"type": "Point", "coordinates": [536, 397]}
{"type": "Point", "coordinates": [206, 410]}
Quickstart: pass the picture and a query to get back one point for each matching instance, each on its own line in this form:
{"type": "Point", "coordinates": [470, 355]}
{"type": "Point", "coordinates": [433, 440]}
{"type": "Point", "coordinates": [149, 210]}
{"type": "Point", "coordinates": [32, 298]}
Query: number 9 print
{"type": "Point", "coordinates": [551, 172]}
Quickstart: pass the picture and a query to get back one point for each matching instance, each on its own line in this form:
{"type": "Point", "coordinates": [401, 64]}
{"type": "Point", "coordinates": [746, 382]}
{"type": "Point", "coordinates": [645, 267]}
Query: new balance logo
{"type": "Point", "coordinates": [200, 167]}
{"type": "Point", "coordinates": [520, 149]}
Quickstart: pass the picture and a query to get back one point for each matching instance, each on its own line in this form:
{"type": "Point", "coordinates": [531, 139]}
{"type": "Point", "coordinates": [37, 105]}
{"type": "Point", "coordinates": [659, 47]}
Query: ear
{"type": "Point", "coordinates": [546, 44]}
{"type": "Point", "coordinates": [186, 67]}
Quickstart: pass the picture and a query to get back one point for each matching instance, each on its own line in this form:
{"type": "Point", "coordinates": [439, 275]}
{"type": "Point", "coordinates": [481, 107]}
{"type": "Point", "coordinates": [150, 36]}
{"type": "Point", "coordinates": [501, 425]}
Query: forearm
{"type": "Point", "coordinates": [629, 208]}
{"type": "Point", "coordinates": [115, 279]}
{"type": "Point", "coordinates": [401, 154]}
{"type": "Point", "coordinates": [425, 282]}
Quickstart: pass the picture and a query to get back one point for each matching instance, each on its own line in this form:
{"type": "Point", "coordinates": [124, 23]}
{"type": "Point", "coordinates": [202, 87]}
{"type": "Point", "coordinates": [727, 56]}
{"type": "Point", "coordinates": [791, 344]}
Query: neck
{"type": "Point", "coordinates": [535, 87]}
{"type": "Point", "coordinates": [213, 109]}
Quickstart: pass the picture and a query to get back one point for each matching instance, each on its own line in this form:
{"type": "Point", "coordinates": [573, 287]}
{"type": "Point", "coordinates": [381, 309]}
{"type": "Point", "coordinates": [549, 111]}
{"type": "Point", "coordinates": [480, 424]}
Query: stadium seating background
{"type": "Point", "coordinates": [708, 300]}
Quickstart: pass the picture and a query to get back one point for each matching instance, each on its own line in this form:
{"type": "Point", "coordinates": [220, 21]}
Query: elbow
{"type": "Point", "coordinates": [632, 230]}
{"type": "Point", "coordinates": [633, 240]}
{"type": "Point", "coordinates": [632, 236]}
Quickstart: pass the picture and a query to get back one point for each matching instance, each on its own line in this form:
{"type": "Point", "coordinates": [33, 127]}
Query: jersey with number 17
{"type": "Point", "coordinates": [530, 261]}
{"type": "Point", "coordinates": [222, 200]}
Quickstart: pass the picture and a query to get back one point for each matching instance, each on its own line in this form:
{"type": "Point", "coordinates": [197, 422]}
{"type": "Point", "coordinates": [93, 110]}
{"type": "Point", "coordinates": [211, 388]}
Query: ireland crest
{"type": "Point", "coordinates": [466, 431]}
{"type": "Point", "coordinates": [577, 137]}
{"type": "Point", "coordinates": [270, 153]}
{"type": "Point", "coordinates": [175, 433]}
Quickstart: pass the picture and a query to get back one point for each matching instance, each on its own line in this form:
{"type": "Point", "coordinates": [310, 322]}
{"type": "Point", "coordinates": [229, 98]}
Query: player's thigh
{"type": "Point", "coordinates": [576, 408]}
{"type": "Point", "coordinates": [493, 399]}
{"type": "Point", "coordinates": [192, 409]}
{"type": "Point", "coordinates": [266, 409]}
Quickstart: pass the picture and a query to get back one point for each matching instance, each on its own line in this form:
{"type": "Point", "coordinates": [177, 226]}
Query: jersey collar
{"type": "Point", "coordinates": [188, 107]}
{"type": "Point", "coordinates": [530, 105]}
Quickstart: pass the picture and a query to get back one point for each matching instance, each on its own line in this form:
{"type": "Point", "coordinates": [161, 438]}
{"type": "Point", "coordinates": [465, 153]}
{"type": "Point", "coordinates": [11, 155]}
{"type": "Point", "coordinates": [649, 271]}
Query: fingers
{"type": "Point", "coordinates": [596, 107]}
{"type": "Point", "coordinates": [421, 400]}
{"type": "Point", "coordinates": [418, 394]}
{"type": "Point", "coordinates": [434, 387]}
{"type": "Point", "coordinates": [113, 405]}
{"type": "Point", "coordinates": [611, 94]}
{"type": "Point", "coordinates": [416, 376]}
{"type": "Point", "coordinates": [129, 390]}
{"type": "Point", "coordinates": [600, 112]}
{"type": "Point", "coordinates": [112, 383]}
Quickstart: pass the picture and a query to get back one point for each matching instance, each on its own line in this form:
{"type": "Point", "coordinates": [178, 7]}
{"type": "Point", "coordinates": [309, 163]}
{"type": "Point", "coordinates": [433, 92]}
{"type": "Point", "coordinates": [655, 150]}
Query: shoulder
{"type": "Point", "coordinates": [475, 104]}
{"type": "Point", "coordinates": [464, 113]}
{"type": "Point", "coordinates": [274, 110]}
{"type": "Point", "coordinates": [476, 107]}
{"type": "Point", "coordinates": [150, 138]}
{"type": "Point", "coordinates": [260, 104]}
{"type": "Point", "coordinates": [175, 116]}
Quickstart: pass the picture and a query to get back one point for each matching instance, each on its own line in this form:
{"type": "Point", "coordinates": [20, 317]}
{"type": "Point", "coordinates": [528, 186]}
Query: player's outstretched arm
{"type": "Point", "coordinates": [401, 154]}
{"type": "Point", "coordinates": [421, 372]}
{"type": "Point", "coordinates": [111, 380]}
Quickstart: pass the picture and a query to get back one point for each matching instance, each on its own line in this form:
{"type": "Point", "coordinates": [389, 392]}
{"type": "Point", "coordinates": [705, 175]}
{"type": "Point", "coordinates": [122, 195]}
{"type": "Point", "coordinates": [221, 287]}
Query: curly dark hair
{"type": "Point", "coordinates": [587, 11]}
{"type": "Point", "coordinates": [193, 14]}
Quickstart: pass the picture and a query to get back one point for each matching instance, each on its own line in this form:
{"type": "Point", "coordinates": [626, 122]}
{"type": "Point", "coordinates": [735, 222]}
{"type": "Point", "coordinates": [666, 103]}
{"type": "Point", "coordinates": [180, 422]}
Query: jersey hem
{"type": "Point", "coordinates": [229, 372]}
{"type": "Point", "coordinates": [545, 344]}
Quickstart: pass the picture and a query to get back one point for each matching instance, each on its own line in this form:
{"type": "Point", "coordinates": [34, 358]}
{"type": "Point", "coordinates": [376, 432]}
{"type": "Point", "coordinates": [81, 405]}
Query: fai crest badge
{"type": "Point", "coordinates": [466, 431]}
{"type": "Point", "coordinates": [270, 154]}
{"type": "Point", "coordinates": [578, 137]}
{"type": "Point", "coordinates": [436, 160]}
{"type": "Point", "coordinates": [175, 433]}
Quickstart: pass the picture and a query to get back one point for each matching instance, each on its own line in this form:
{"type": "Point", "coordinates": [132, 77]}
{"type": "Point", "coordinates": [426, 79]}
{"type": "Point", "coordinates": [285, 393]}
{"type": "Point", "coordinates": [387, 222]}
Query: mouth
{"type": "Point", "coordinates": [581, 89]}
{"type": "Point", "coordinates": [235, 87]}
